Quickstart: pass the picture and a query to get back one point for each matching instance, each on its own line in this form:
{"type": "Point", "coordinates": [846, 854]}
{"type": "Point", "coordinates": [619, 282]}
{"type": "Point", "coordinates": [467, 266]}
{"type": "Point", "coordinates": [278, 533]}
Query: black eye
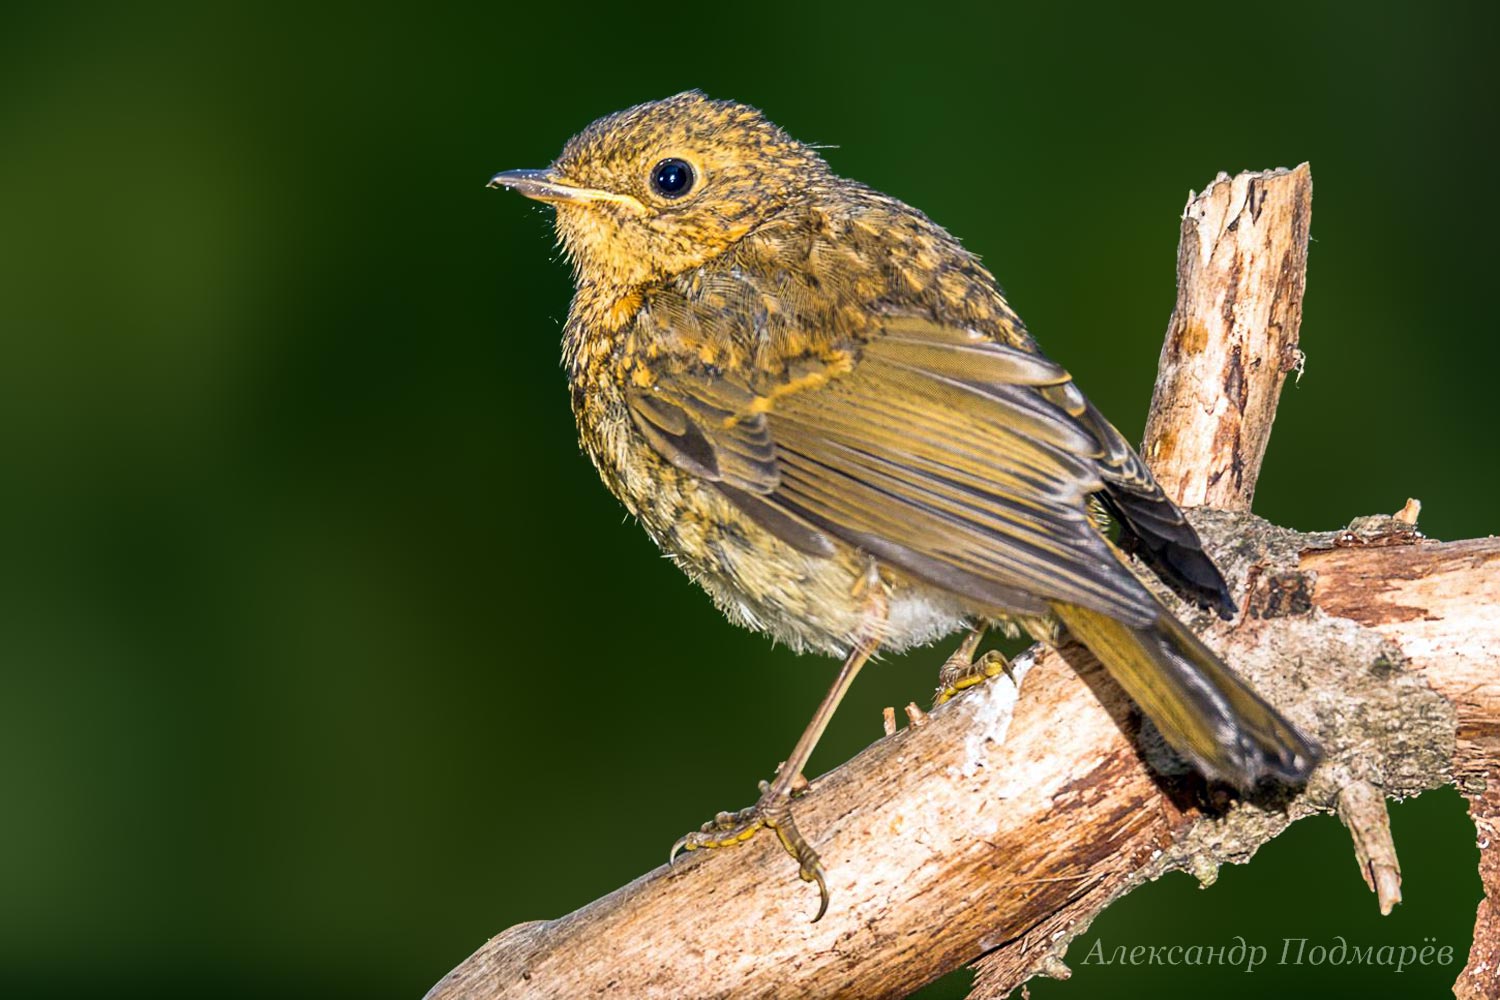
{"type": "Point", "coordinates": [672, 178]}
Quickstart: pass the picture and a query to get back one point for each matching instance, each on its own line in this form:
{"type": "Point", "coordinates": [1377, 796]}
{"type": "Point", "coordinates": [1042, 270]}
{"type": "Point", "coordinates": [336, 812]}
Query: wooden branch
{"type": "Point", "coordinates": [1387, 702]}
{"type": "Point", "coordinates": [1481, 974]}
{"type": "Point", "coordinates": [1241, 266]}
{"type": "Point", "coordinates": [991, 830]}
{"type": "Point", "coordinates": [1445, 613]}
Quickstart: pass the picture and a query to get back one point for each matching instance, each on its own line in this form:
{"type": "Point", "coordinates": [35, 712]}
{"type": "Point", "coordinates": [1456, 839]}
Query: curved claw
{"type": "Point", "coordinates": [773, 812]}
{"type": "Point", "coordinates": [816, 875]}
{"type": "Point", "coordinates": [956, 677]}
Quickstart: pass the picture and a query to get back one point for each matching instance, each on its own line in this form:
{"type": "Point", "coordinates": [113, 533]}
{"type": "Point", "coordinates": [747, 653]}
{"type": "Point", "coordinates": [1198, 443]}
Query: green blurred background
{"type": "Point", "coordinates": [325, 655]}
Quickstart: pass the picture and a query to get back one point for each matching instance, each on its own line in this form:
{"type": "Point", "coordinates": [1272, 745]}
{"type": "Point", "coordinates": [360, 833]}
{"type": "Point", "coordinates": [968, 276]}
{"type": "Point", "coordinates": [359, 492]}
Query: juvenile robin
{"type": "Point", "coordinates": [819, 404]}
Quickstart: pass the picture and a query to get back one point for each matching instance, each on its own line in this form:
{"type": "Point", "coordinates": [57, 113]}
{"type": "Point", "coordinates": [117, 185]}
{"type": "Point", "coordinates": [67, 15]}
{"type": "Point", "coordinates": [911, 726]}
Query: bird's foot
{"type": "Point", "coordinates": [774, 812]}
{"type": "Point", "coordinates": [960, 673]}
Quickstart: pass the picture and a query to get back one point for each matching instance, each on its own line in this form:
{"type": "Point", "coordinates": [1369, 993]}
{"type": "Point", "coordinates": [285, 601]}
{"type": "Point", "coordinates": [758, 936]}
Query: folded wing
{"type": "Point", "coordinates": [966, 463]}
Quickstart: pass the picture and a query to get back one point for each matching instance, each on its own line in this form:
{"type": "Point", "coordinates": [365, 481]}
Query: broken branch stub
{"type": "Point", "coordinates": [1232, 338]}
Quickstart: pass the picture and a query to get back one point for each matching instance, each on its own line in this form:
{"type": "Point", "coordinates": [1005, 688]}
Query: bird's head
{"type": "Point", "coordinates": [663, 187]}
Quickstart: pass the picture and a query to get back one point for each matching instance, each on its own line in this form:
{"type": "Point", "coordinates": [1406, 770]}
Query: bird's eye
{"type": "Point", "coordinates": [672, 178]}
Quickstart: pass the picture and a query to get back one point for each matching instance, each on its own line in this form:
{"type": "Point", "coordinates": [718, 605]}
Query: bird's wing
{"type": "Point", "coordinates": [962, 461]}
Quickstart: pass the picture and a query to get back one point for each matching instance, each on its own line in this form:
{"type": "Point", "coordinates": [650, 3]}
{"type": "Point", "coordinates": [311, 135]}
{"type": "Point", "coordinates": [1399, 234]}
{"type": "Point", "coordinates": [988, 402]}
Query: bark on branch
{"type": "Point", "coordinates": [1241, 268]}
{"type": "Point", "coordinates": [990, 831]}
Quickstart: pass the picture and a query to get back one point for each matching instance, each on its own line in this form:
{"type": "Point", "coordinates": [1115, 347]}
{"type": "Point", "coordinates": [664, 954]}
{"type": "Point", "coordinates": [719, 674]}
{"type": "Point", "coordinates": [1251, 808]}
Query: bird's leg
{"type": "Point", "coordinates": [962, 670]}
{"type": "Point", "coordinates": [774, 809]}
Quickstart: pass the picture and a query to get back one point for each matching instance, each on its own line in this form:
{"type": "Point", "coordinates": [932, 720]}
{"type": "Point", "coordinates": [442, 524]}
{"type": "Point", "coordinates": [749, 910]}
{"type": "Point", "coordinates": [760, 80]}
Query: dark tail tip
{"type": "Point", "coordinates": [1154, 530]}
{"type": "Point", "coordinates": [1256, 744]}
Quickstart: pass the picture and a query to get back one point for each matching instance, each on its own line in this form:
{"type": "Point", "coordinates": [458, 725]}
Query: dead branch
{"type": "Point", "coordinates": [1362, 808]}
{"type": "Point", "coordinates": [1241, 267]}
{"type": "Point", "coordinates": [993, 831]}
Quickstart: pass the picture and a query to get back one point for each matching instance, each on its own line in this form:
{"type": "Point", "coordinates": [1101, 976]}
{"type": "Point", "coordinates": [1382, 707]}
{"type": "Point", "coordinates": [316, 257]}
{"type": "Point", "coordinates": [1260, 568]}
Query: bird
{"type": "Point", "coordinates": [822, 407]}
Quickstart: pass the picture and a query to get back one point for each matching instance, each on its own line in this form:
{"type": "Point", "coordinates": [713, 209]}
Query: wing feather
{"type": "Point", "coordinates": [963, 461]}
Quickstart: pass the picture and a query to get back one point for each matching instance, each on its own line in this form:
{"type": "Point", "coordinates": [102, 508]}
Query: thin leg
{"type": "Point", "coordinates": [774, 809]}
{"type": "Point", "coordinates": [802, 752]}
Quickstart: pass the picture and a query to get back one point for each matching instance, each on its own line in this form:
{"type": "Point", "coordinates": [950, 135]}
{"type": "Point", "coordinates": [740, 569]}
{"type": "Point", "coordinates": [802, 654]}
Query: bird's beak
{"type": "Point", "coordinates": [546, 185]}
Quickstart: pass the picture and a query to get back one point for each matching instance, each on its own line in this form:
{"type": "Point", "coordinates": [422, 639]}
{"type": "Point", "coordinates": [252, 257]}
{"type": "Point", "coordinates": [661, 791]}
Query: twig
{"type": "Point", "coordinates": [1362, 809]}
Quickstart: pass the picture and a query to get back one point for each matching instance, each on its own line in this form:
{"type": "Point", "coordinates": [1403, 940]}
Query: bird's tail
{"type": "Point", "coordinates": [1202, 709]}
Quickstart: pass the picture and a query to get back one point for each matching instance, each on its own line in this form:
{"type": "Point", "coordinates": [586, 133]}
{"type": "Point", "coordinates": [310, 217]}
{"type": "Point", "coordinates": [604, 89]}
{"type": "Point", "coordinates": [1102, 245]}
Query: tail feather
{"type": "Point", "coordinates": [1200, 706]}
{"type": "Point", "coordinates": [1152, 528]}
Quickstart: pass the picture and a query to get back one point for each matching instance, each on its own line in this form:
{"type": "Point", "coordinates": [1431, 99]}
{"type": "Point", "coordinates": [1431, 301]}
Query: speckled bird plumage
{"type": "Point", "coordinates": [758, 309]}
{"type": "Point", "coordinates": [793, 381]}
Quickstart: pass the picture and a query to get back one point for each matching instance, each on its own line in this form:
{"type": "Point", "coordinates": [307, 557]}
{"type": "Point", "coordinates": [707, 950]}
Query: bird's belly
{"type": "Point", "coordinates": [809, 602]}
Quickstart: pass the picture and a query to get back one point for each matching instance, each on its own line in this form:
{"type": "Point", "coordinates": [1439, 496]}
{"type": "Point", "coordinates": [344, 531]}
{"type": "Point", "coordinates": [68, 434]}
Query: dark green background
{"type": "Point", "coordinates": [326, 655]}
